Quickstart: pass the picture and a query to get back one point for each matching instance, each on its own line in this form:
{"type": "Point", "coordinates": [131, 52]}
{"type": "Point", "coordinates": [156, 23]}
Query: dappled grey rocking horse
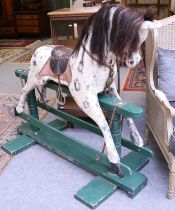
{"type": "Point", "coordinates": [114, 33]}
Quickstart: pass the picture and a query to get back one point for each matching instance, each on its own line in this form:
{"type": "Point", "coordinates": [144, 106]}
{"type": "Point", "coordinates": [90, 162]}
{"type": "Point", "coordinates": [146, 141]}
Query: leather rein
{"type": "Point", "coordinates": [111, 68]}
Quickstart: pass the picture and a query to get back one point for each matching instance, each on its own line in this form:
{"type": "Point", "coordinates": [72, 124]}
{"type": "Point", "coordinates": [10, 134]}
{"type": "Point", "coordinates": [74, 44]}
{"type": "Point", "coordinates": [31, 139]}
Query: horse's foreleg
{"type": "Point", "coordinates": [43, 94]}
{"type": "Point", "coordinates": [31, 83]}
{"type": "Point", "coordinates": [134, 134]}
{"type": "Point", "coordinates": [88, 102]}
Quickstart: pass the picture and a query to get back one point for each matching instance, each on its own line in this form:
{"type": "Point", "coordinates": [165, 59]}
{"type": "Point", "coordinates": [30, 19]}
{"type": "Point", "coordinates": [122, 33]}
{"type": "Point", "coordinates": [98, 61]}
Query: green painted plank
{"type": "Point", "coordinates": [136, 161]}
{"type": "Point", "coordinates": [95, 192]}
{"type": "Point", "coordinates": [18, 145]}
{"type": "Point", "coordinates": [23, 142]}
{"type": "Point", "coordinates": [58, 124]}
{"type": "Point", "coordinates": [143, 150]}
{"type": "Point", "coordinates": [26, 128]}
{"type": "Point", "coordinates": [127, 109]}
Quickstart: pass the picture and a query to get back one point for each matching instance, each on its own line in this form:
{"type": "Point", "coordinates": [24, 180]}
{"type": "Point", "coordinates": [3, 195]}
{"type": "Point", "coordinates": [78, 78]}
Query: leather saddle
{"type": "Point", "coordinates": [60, 56]}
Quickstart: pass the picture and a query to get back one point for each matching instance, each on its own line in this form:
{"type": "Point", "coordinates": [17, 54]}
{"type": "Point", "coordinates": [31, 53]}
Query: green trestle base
{"type": "Point", "coordinates": [86, 157]}
{"type": "Point", "coordinates": [50, 136]}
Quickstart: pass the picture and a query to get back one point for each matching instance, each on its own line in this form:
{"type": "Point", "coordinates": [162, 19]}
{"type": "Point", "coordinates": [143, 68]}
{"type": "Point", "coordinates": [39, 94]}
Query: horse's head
{"type": "Point", "coordinates": [135, 57]}
{"type": "Point", "coordinates": [117, 32]}
{"type": "Point", "coordinates": [129, 29]}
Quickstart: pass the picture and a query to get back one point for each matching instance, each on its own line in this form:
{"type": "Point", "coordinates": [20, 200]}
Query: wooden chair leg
{"type": "Point", "coordinates": [146, 134]}
{"type": "Point", "coordinates": [171, 184]}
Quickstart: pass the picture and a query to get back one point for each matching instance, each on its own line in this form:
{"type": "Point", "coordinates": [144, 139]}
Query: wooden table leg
{"type": "Point", "coordinates": [54, 32]}
{"type": "Point", "coordinates": [80, 26]}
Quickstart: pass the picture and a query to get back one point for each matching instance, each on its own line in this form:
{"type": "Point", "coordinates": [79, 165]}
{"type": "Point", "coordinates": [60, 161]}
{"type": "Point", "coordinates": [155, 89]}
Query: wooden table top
{"type": "Point", "coordinates": [74, 12]}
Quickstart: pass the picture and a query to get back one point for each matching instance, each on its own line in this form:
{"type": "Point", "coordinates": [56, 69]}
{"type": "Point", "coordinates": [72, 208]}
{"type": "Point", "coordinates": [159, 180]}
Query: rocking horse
{"type": "Point", "coordinates": [113, 34]}
{"type": "Point", "coordinates": [110, 38]}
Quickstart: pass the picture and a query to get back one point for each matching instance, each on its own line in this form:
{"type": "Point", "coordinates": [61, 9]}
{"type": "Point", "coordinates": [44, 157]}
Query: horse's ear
{"type": "Point", "coordinates": [146, 25]}
{"type": "Point", "coordinates": [149, 14]}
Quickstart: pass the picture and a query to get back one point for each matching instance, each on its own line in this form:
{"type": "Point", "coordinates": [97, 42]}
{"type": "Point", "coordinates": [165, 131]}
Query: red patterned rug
{"type": "Point", "coordinates": [136, 78]}
{"type": "Point", "coordinates": [15, 43]}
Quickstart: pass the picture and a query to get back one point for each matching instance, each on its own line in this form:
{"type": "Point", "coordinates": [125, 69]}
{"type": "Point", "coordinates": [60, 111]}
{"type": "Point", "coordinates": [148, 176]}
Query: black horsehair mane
{"type": "Point", "coordinates": [122, 40]}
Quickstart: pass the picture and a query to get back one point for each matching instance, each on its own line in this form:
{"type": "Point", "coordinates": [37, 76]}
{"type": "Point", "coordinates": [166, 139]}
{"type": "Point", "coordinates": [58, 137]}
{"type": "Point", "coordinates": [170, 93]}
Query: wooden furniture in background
{"type": "Point", "coordinates": [157, 4]}
{"type": "Point", "coordinates": [69, 15]}
{"type": "Point", "coordinates": [140, 3]}
{"type": "Point", "coordinates": [32, 18]}
{"type": "Point", "coordinates": [32, 22]}
{"type": "Point", "coordinates": [36, 5]}
{"type": "Point", "coordinates": [7, 23]}
{"type": "Point", "coordinates": [159, 112]}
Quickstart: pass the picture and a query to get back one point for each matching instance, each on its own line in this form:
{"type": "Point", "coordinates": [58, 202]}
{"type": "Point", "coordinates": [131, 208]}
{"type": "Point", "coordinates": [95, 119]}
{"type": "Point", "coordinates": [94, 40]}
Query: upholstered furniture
{"type": "Point", "coordinates": [159, 112]}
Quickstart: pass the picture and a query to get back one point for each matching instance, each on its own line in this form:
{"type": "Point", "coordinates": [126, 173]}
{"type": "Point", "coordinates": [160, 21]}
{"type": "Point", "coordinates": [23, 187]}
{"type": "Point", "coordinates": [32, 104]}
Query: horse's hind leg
{"type": "Point", "coordinates": [88, 102]}
{"type": "Point", "coordinates": [134, 134]}
{"type": "Point", "coordinates": [31, 83]}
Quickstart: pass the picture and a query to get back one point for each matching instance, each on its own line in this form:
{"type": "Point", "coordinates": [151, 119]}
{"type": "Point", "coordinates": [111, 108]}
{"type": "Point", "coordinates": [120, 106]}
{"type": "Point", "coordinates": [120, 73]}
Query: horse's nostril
{"type": "Point", "coordinates": [131, 62]}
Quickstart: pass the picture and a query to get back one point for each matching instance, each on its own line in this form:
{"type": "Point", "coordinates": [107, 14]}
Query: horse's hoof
{"type": "Point", "coordinates": [15, 112]}
{"type": "Point", "coordinates": [19, 109]}
{"type": "Point", "coordinates": [71, 125]}
{"type": "Point", "coordinates": [117, 169]}
{"type": "Point", "coordinates": [19, 131]}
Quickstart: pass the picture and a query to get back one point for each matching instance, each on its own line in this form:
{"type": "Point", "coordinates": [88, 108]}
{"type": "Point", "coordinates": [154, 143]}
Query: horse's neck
{"type": "Point", "coordinates": [110, 57]}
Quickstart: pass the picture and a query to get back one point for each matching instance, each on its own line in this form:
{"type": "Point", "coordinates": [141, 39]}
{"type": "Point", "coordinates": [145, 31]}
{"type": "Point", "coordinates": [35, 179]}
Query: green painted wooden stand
{"type": "Point", "coordinates": [50, 135]}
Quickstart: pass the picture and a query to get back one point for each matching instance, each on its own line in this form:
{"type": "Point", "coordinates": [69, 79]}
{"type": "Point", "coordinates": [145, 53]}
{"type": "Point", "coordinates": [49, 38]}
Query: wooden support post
{"type": "Point", "coordinates": [116, 131]}
{"type": "Point", "coordinates": [32, 103]}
